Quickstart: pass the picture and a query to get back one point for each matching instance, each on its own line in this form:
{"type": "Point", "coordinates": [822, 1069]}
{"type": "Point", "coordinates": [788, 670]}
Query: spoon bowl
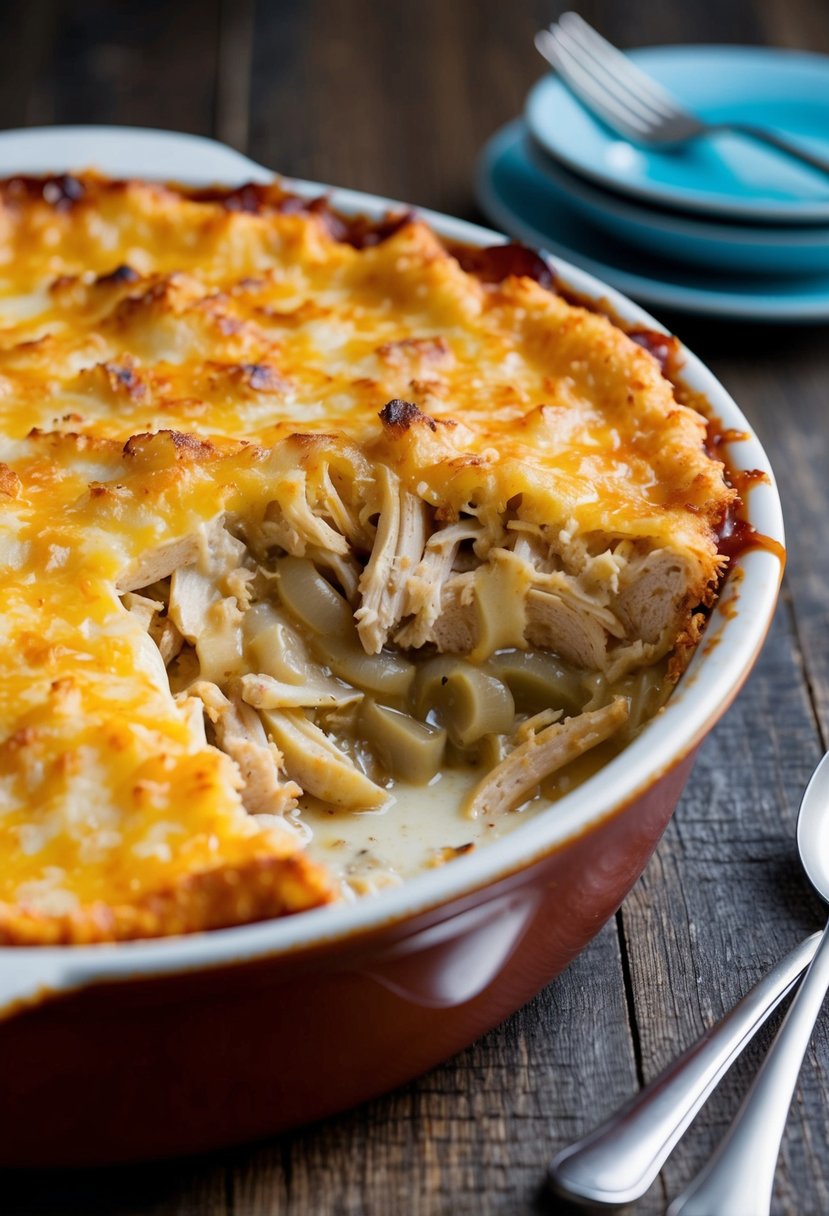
{"type": "Point", "coordinates": [616, 1163]}
{"type": "Point", "coordinates": [813, 829]}
{"type": "Point", "coordinates": [740, 1175]}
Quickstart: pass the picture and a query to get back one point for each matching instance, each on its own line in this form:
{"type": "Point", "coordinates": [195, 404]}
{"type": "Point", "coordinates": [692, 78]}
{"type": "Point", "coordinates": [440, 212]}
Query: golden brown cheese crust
{"type": "Point", "coordinates": [167, 357]}
{"type": "Point", "coordinates": [217, 898]}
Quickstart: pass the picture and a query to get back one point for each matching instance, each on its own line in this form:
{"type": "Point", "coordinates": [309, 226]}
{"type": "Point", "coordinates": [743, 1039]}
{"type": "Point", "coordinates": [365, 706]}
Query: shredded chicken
{"type": "Point", "coordinates": [332, 502]}
{"type": "Point", "coordinates": [455, 630]}
{"type": "Point", "coordinates": [160, 563]}
{"type": "Point", "coordinates": [473, 587]}
{"type": "Point", "coordinates": [264, 692]}
{"type": "Point", "coordinates": [554, 624]}
{"type": "Point", "coordinates": [167, 638]}
{"type": "Point", "coordinates": [322, 482]}
{"type": "Point", "coordinates": [609, 613]}
{"type": "Point", "coordinates": [425, 585]}
{"type": "Point", "coordinates": [240, 734]}
{"type": "Point", "coordinates": [205, 606]}
{"type": "Point", "coordinates": [152, 615]}
{"type": "Point", "coordinates": [653, 595]}
{"type": "Point", "coordinates": [531, 726]}
{"type": "Point", "coordinates": [294, 525]}
{"type": "Point", "coordinates": [398, 547]}
{"type": "Point", "coordinates": [142, 608]}
{"type": "Point", "coordinates": [517, 776]}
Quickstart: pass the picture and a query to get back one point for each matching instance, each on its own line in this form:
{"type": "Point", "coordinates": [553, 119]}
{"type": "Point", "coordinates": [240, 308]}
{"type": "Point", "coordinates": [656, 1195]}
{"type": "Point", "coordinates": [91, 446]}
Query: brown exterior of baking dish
{"type": "Point", "coordinates": [148, 1068]}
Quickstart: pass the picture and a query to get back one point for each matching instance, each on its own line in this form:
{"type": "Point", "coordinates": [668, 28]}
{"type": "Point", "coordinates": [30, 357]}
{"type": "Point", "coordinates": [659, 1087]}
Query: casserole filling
{"type": "Point", "coordinates": [311, 537]}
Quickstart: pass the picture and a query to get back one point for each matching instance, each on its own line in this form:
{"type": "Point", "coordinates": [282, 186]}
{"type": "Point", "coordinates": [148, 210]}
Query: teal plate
{"type": "Point", "coordinates": [727, 174]}
{"type": "Point", "coordinates": [696, 240]}
{"type": "Point", "coordinates": [529, 206]}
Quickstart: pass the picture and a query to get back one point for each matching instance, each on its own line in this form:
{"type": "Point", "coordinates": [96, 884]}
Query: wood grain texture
{"type": "Point", "coordinates": [231, 120]}
{"type": "Point", "coordinates": [724, 898]}
{"type": "Point", "coordinates": [436, 1144]}
{"type": "Point", "coordinates": [397, 98]}
{"type": "Point", "coordinates": [145, 63]}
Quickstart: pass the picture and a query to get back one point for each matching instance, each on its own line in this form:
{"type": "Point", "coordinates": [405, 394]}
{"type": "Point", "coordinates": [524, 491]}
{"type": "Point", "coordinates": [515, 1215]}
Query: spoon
{"type": "Point", "coordinates": [740, 1175]}
{"type": "Point", "coordinates": [616, 1163]}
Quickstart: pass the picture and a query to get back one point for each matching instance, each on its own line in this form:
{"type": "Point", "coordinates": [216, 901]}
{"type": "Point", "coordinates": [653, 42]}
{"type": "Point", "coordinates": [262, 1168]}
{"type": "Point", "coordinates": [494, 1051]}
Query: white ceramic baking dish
{"type": "Point", "coordinates": [439, 959]}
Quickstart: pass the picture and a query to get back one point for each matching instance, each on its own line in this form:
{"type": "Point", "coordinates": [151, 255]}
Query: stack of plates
{"type": "Point", "coordinates": [722, 226]}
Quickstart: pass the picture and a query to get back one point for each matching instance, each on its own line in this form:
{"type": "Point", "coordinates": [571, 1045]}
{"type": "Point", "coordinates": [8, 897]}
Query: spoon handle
{"type": "Point", "coordinates": [617, 1163]}
{"type": "Point", "coordinates": [740, 1175]}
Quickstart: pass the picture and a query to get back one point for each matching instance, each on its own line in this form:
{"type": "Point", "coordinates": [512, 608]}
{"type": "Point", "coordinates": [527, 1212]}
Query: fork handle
{"type": "Point", "coordinates": [740, 1175]}
{"type": "Point", "coordinates": [617, 1163]}
{"type": "Point", "coordinates": [775, 141]}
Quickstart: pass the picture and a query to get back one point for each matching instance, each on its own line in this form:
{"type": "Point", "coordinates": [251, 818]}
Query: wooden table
{"type": "Point", "coordinates": [397, 97]}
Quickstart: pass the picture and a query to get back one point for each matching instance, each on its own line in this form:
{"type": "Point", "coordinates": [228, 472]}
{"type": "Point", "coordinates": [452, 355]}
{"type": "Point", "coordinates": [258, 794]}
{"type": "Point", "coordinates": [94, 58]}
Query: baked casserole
{"type": "Point", "coordinates": [303, 519]}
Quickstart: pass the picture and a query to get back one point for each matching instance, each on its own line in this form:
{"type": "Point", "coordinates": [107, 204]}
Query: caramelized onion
{"type": "Point", "coordinates": [539, 680]}
{"type": "Point", "coordinates": [311, 599]}
{"type": "Point", "coordinates": [469, 702]}
{"type": "Point", "coordinates": [312, 760]}
{"type": "Point", "coordinates": [387, 673]}
{"type": "Point", "coordinates": [272, 647]}
{"type": "Point", "coordinates": [408, 749]}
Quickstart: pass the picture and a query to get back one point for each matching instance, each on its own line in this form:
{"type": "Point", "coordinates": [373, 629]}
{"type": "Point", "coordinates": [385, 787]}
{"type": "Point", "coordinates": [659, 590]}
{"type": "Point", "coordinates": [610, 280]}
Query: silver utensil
{"type": "Point", "coordinates": [617, 1162]}
{"type": "Point", "coordinates": [629, 101]}
{"type": "Point", "coordinates": [740, 1175]}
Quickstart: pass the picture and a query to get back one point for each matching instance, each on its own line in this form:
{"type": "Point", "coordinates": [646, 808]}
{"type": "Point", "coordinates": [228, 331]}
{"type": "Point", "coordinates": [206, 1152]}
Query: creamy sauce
{"type": "Point", "coordinates": [420, 827]}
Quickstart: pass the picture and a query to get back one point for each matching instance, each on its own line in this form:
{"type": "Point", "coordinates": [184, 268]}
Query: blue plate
{"type": "Point", "coordinates": [695, 240]}
{"type": "Point", "coordinates": [729, 175]}
{"type": "Point", "coordinates": [523, 202]}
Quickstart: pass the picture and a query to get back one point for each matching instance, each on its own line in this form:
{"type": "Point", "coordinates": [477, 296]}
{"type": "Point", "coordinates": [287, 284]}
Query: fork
{"type": "Point", "coordinates": [629, 101]}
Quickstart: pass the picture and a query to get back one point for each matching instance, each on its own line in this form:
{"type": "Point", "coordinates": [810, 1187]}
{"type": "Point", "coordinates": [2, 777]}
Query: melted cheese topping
{"type": "Point", "coordinates": [161, 358]}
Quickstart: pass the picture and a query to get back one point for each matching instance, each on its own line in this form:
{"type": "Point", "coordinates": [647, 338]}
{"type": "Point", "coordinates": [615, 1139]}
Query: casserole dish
{"type": "Point", "coordinates": [250, 1030]}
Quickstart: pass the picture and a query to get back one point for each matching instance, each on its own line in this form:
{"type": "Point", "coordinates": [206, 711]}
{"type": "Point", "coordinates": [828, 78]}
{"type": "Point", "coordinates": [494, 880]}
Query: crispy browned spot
{"type": "Point", "coordinates": [121, 274]}
{"type": "Point", "coordinates": [402, 414]}
{"type": "Point", "coordinates": [10, 483]}
{"type": "Point", "coordinates": [498, 262]}
{"type": "Point", "coordinates": [185, 445]}
{"type": "Point", "coordinates": [123, 377]}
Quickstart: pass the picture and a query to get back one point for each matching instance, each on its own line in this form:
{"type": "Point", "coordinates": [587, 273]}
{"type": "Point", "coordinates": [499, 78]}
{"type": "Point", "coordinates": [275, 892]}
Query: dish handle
{"type": "Point", "coordinates": [452, 962]}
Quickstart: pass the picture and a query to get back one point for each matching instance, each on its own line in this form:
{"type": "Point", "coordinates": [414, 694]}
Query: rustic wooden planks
{"type": "Point", "coordinates": [483, 1125]}
{"type": "Point", "coordinates": [397, 98]}
{"type": "Point", "coordinates": [144, 63]}
{"type": "Point", "coordinates": [231, 117]}
{"type": "Point", "coordinates": [724, 898]}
